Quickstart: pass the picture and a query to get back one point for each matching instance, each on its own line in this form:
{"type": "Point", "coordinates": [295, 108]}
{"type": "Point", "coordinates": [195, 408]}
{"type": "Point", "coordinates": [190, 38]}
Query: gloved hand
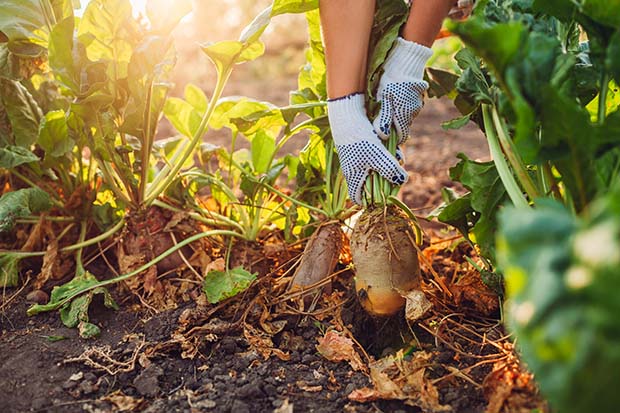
{"type": "Point", "coordinates": [401, 88]}
{"type": "Point", "coordinates": [359, 148]}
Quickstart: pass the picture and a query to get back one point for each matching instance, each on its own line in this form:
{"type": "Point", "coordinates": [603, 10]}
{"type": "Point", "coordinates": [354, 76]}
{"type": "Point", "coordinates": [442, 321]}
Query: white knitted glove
{"type": "Point", "coordinates": [359, 148]}
{"type": "Point", "coordinates": [401, 88]}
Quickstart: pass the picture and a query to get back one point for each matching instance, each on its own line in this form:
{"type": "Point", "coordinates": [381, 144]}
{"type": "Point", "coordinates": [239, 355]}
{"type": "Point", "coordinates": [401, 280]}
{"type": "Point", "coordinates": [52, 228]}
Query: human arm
{"type": "Point", "coordinates": [346, 26]}
{"type": "Point", "coordinates": [402, 86]}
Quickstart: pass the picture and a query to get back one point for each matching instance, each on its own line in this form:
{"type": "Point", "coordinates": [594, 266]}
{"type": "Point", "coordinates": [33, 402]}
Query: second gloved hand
{"type": "Point", "coordinates": [359, 148]}
{"type": "Point", "coordinates": [401, 88]}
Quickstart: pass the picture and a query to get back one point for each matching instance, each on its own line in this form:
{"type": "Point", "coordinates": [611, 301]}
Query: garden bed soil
{"type": "Point", "coordinates": [258, 353]}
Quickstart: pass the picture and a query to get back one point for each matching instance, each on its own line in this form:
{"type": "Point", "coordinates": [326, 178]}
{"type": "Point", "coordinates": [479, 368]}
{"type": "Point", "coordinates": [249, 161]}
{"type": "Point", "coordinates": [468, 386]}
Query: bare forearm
{"type": "Point", "coordinates": [425, 19]}
{"type": "Point", "coordinates": [346, 28]}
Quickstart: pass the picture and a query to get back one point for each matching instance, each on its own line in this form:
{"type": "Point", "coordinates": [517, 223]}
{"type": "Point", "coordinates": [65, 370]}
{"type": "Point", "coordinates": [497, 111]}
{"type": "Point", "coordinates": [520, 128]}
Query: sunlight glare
{"type": "Point", "coordinates": [138, 7]}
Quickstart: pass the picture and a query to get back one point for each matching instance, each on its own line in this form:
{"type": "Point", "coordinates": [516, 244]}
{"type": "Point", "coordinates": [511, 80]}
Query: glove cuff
{"type": "Point", "coordinates": [406, 61]}
{"type": "Point", "coordinates": [347, 118]}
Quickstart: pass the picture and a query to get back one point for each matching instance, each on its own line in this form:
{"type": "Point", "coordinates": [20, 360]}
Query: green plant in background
{"type": "Point", "coordinates": [540, 78]}
{"type": "Point", "coordinates": [80, 104]}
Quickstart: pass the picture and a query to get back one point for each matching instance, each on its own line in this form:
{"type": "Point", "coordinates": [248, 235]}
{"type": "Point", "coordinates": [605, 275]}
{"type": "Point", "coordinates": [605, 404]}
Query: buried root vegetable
{"type": "Point", "coordinates": [319, 259]}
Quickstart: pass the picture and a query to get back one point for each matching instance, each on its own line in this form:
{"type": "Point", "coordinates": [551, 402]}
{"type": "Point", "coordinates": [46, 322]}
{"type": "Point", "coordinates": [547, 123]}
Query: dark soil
{"type": "Point", "coordinates": [198, 358]}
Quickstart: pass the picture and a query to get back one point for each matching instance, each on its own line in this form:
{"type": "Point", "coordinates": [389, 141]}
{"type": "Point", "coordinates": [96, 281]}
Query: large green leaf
{"type": "Point", "coordinates": [20, 203]}
{"type": "Point", "coordinates": [263, 150]}
{"type": "Point", "coordinates": [456, 211]}
{"type": "Point", "coordinates": [54, 135]}
{"type": "Point", "coordinates": [9, 270]}
{"type": "Point", "coordinates": [561, 9]}
{"type": "Point", "coordinates": [571, 141]}
{"type": "Point", "coordinates": [219, 285]}
{"type": "Point", "coordinates": [497, 44]}
{"type": "Point", "coordinates": [389, 18]}
{"type": "Point", "coordinates": [312, 81]}
{"type": "Point", "coordinates": [562, 277]}
{"type": "Point", "coordinates": [183, 116]}
{"type": "Point", "coordinates": [196, 97]}
{"type": "Point", "coordinates": [105, 31]}
{"type": "Point", "coordinates": [603, 11]}
{"type": "Point", "coordinates": [75, 312]}
{"type": "Point", "coordinates": [226, 54]}
{"type": "Point", "coordinates": [186, 115]}
{"type": "Point", "coordinates": [12, 156]}
{"type": "Point", "coordinates": [25, 25]}
{"type": "Point", "coordinates": [487, 196]}
{"type": "Point", "coordinates": [242, 114]}
{"type": "Point", "coordinates": [613, 56]}
{"type": "Point", "coordinates": [61, 54]}
{"type": "Point", "coordinates": [22, 110]}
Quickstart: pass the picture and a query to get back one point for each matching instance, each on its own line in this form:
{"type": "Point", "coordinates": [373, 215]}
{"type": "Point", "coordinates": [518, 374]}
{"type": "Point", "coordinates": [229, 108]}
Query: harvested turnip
{"type": "Point", "coordinates": [385, 259]}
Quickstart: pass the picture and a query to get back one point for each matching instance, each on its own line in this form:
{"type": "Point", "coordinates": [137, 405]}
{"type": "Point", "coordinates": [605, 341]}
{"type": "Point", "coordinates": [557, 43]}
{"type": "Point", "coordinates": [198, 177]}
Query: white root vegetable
{"type": "Point", "coordinates": [385, 259]}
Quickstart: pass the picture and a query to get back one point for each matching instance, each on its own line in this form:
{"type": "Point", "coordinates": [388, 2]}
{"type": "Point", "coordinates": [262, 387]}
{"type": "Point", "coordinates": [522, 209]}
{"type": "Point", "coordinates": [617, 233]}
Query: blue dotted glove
{"type": "Point", "coordinates": [401, 89]}
{"type": "Point", "coordinates": [359, 148]}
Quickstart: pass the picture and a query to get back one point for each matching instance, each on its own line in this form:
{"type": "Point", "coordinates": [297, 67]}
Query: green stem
{"type": "Point", "coordinates": [156, 189]}
{"type": "Point", "coordinates": [505, 174]}
{"type": "Point", "coordinates": [53, 195]}
{"type": "Point", "coordinates": [602, 99]}
{"type": "Point", "coordinates": [234, 201]}
{"type": "Point", "coordinates": [108, 171]}
{"type": "Point", "coordinates": [328, 204]}
{"type": "Point", "coordinates": [217, 220]}
{"type": "Point", "coordinates": [35, 309]}
{"type": "Point", "coordinates": [109, 177]}
{"type": "Point", "coordinates": [513, 156]}
{"type": "Point", "coordinates": [79, 267]}
{"type": "Point", "coordinates": [293, 200]}
{"type": "Point", "coordinates": [296, 129]}
{"type": "Point", "coordinates": [146, 145]}
{"type": "Point", "coordinates": [32, 219]}
{"type": "Point", "coordinates": [73, 247]}
{"type": "Point", "coordinates": [377, 187]}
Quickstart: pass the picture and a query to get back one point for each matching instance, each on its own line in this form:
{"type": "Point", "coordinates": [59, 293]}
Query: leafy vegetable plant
{"type": "Point", "coordinates": [80, 101]}
{"type": "Point", "coordinates": [540, 78]}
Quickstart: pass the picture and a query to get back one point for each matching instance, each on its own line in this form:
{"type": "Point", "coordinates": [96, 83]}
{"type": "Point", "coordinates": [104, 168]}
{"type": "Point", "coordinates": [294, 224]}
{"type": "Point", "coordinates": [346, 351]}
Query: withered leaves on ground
{"type": "Point", "coordinates": [334, 346]}
{"type": "Point", "coordinates": [509, 389]}
{"type": "Point", "coordinates": [122, 402]}
{"type": "Point", "coordinates": [470, 292]}
{"type": "Point", "coordinates": [396, 377]}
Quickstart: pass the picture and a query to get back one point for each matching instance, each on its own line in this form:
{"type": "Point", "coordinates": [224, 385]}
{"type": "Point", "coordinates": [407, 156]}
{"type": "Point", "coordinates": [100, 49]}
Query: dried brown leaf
{"type": "Point", "coordinates": [54, 267]}
{"type": "Point", "coordinates": [473, 293]}
{"type": "Point", "coordinates": [417, 305]}
{"type": "Point", "coordinates": [216, 265]}
{"type": "Point", "coordinates": [35, 237]}
{"type": "Point", "coordinates": [150, 279]}
{"type": "Point", "coordinates": [262, 343]}
{"type": "Point", "coordinates": [397, 378]}
{"type": "Point", "coordinates": [509, 389]}
{"type": "Point", "coordinates": [122, 402]}
{"type": "Point", "coordinates": [309, 388]}
{"type": "Point", "coordinates": [334, 346]}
